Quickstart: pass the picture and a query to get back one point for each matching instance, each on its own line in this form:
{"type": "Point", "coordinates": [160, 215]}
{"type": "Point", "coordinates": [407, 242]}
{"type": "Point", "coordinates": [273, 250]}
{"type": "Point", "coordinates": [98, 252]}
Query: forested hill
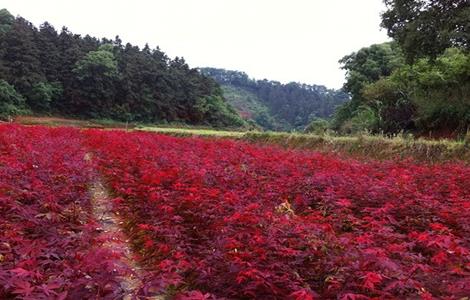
{"type": "Point", "coordinates": [45, 71]}
{"type": "Point", "coordinates": [279, 106]}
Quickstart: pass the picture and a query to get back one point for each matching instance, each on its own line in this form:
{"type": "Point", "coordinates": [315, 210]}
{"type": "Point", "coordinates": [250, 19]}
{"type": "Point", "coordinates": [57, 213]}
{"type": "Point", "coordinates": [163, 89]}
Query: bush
{"type": "Point", "coordinates": [43, 94]}
{"type": "Point", "coordinates": [317, 126]}
{"type": "Point", "coordinates": [427, 96]}
{"type": "Point", "coordinates": [394, 108]}
{"type": "Point", "coordinates": [365, 119]}
{"type": "Point", "coordinates": [11, 102]}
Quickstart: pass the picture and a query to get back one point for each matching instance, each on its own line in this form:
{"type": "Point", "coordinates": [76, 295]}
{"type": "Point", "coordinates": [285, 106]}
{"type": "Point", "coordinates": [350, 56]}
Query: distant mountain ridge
{"type": "Point", "coordinates": [273, 105]}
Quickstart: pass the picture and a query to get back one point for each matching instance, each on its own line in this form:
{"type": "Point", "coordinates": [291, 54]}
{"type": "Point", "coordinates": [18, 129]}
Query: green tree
{"type": "Point", "coordinates": [20, 57]}
{"type": "Point", "coordinates": [317, 126]}
{"type": "Point", "coordinates": [47, 41]}
{"type": "Point", "coordinates": [96, 75]}
{"type": "Point", "coordinates": [43, 95]}
{"type": "Point", "coordinates": [369, 64]}
{"type": "Point", "coordinates": [364, 67]}
{"type": "Point", "coordinates": [97, 64]}
{"type": "Point", "coordinates": [11, 102]}
{"type": "Point", "coordinates": [425, 28]}
{"type": "Point", "coordinates": [433, 94]}
{"type": "Point", "coordinates": [215, 111]}
{"type": "Point", "coordinates": [6, 20]}
{"type": "Point", "coordinates": [391, 102]}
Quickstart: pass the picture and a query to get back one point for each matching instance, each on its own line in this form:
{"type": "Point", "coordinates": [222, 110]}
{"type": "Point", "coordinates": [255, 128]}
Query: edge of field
{"type": "Point", "coordinates": [359, 146]}
{"type": "Point", "coordinates": [362, 146]}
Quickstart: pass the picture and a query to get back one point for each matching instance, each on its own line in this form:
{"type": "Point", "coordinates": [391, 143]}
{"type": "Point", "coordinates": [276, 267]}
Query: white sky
{"type": "Point", "coordinates": [284, 40]}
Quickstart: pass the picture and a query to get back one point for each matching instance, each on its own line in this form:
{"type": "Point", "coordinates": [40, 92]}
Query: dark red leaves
{"type": "Point", "coordinates": [215, 219]}
{"type": "Point", "coordinates": [242, 221]}
{"type": "Point", "coordinates": [46, 242]}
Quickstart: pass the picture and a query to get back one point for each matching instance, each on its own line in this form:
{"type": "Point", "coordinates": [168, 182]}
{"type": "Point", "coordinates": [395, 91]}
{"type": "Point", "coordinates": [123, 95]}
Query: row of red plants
{"type": "Point", "coordinates": [49, 248]}
{"type": "Point", "coordinates": [224, 219]}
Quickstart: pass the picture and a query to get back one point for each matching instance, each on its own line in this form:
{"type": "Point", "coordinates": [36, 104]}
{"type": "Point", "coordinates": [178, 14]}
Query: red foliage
{"type": "Point", "coordinates": [223, 219]}
{"type": "Point", "coordinates": [46, 233]}
{"type": "Point", "coordinates": [228, 219]}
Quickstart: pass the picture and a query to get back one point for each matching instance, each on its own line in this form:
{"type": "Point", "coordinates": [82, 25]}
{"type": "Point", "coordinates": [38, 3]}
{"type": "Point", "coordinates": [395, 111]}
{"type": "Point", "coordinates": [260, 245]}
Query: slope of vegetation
{"type": "Point", "coordinates": [250, 106]}
{"type": "Point", "coordinates": [45, 71]}
{"type": "Point", "coordinates": [289, 106]}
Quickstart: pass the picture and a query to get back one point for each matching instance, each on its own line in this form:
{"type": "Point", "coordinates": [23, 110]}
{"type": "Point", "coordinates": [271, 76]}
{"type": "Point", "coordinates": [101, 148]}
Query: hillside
{"type": "Point", "coordinates": [250, 107]}
{"type": "Point", "coordinates": [61, 73]}
{"type": "Point", "coordinates": [273, 105]}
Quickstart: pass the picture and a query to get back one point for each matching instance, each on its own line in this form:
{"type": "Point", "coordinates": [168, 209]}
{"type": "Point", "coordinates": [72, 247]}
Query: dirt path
{"type": "Point", "coordinates": [115, 239]}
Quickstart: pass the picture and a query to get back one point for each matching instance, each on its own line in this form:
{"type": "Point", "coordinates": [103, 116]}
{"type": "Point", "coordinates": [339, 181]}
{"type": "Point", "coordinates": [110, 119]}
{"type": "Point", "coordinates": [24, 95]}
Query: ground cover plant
{"type": "Point", "coordinates": [225, 219]}
{"type": "Point", "coordinates": [48, 244]}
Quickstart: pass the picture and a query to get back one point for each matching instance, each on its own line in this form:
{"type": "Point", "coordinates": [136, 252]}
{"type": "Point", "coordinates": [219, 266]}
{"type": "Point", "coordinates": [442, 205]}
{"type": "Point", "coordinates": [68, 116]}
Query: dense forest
{"type": "Point", "coordinates": [418, 83]}
{"type": "Point", "coordinates": [49, 72]}
{"type": "Point", "coordinates": [276, 106]}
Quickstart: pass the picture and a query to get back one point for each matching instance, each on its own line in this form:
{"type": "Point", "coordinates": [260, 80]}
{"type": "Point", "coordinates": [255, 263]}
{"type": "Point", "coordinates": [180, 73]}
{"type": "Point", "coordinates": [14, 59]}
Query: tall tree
{"type": "Point", "coordinates": [21, 56]}
{"type": "Point", "coordinates": [362, 68]}
{"type": "Point", "coordinates": [428, 27]}
{"type": "Point", "coordinates": [6, 20]}
{"type": "Point", "coordinates": [96, 75]}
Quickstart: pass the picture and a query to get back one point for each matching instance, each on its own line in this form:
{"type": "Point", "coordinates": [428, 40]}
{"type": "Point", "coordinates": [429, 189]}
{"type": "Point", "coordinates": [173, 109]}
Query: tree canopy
{"type": "Point", "coordinates": [426, 28]}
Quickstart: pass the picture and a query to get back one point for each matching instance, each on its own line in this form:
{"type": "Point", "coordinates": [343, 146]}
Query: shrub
{"type": "Point", "coordinates": [365, 119]}
{"type": "Point", "coordinates": [317, 126]}
{"type": "Point", "coordinates": [43, 94]}
{"type": "Point", "coordinates": [11, 102]}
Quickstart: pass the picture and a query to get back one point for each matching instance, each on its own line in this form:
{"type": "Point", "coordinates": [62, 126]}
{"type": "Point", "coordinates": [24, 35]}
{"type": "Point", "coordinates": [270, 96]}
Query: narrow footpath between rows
{"type": "Point", "coordinates": [115, 240]}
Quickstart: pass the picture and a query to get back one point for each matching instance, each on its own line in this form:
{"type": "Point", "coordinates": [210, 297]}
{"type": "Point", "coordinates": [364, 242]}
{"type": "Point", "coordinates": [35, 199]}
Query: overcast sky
{"type": "Point", "coordinates": [284, 40]}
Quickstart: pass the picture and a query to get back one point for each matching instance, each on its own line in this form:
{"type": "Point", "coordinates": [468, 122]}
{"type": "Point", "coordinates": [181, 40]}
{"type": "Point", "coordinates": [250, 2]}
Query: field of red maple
{"type": "Point", "coordinates": [48, 247]}
{"type": "Point", "coordinates": [220, 219]}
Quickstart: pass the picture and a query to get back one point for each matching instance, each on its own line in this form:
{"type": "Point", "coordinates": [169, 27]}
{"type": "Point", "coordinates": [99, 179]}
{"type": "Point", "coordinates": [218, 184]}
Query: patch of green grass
{"type": "Point", "coordinates": [192, 131]}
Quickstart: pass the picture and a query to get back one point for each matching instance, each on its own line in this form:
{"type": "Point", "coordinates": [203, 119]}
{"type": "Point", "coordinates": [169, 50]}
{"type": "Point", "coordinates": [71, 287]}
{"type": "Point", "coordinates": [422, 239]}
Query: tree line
{"type": "Point", "coordinates": [49, 72]}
